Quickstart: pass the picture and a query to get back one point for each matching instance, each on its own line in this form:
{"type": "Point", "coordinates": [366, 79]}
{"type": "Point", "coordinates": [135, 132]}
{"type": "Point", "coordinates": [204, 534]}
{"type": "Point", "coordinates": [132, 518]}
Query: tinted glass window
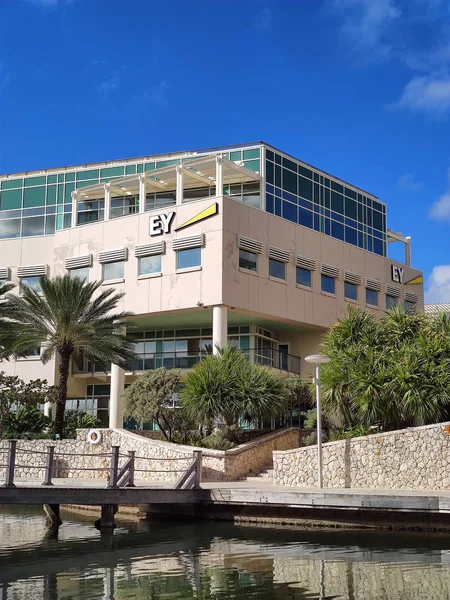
{"type": "Point", "coordinates": [247, 260]}
{"type": "Point", "coordinates": [149, 265]}
{"type": "Point", "coordinates": [82, 273]}
{"type": "Point", "coordinates": [277, 269]}
{"type": "Point", "coordinates": [391, 301]}
{"type": "Point", "coordinates": [327, 284]}
{"type": "Point", "coordinates": [32, 282]}
{"type": "Point", "coordinates": [303, 277]}
{"type": "Point", "coordinates": [305, 188]}
{"type": "Point", "coordinates": [113, 270]}
{"type": "Point", "coordinates": [189, 258]}
{"type": "Point", "coordinates": [372, 297]}
{"type": "Point", "coordinates": [350, 291]}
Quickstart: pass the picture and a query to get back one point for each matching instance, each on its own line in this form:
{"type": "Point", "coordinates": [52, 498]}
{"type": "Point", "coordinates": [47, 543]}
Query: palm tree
{"type": "Point", "coordinates": [226, 386]}
{"type": "Point", "coordinates": [72, 321]}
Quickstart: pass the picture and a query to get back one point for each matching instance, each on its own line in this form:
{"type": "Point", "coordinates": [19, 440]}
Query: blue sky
{"type": "Point", "coordinates": [359, 88]}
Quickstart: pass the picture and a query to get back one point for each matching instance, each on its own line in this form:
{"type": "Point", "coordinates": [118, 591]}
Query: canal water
{"type": "Point", "coordinates": [206, 561]}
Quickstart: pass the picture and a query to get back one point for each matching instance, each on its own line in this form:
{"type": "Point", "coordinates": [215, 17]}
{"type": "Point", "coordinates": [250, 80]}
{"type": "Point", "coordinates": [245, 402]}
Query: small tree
{"type": "Point", "coordinates": [27, 422]}
{"type": "Point", "coordinates": [299, 395]}
{"type": "Point", "coordinates": [74, 319]}
{"type": "Point", "coordinates": [150, 399]}
{"type": "Point", "coordinates": [227, 387]}
{"type": "Point", "coordinates": [14, 392]}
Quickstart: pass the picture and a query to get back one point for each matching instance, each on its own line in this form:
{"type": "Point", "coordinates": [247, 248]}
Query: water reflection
{"type": "Point", "coordinates": [210, 561]}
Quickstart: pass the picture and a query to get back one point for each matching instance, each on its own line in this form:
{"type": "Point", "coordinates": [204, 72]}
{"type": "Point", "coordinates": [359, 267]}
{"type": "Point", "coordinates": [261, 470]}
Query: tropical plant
{"type": "Point", "coordinates": [226, 387]}
{"type": "Point", "coordinates": [150, 399]}
{"type": "Point", "coordinates": [77, 419]}
{"type": "Point", "coordinates": [72, 319]}
{"type": "Point", "coordinates": [392, 372]}
{"type": "Point", "coordinates": [27, 422]}
{"type": "Point", "coordinates": [299, 395]}
{"type": "Point", "coordinates": [15, 393]}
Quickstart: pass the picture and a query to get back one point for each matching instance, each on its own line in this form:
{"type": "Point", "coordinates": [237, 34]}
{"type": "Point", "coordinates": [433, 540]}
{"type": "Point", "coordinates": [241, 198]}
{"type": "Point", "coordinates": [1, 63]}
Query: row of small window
{"type": "Point", "coordinates": [303, 277]}
{"type": "Point", "coordinates": [147, 265]}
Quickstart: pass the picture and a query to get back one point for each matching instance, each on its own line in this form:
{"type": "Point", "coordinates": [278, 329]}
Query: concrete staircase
{"type": "Point", "coordinates": [263, 475]}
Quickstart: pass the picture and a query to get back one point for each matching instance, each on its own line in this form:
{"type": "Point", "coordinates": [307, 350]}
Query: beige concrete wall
{"type": "Point", "coordinates": [257, 293]}
{"type": "Point", "coordinates": [417, 458]}
{"type": "Point", "coordinates": [220, 280]}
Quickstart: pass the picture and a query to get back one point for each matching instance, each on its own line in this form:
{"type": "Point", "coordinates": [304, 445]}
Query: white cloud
{"type": "Point", "coordinates": [437, 289]}
{"type": "Point", "coordinates": [440, 210]}
{"type": "Point", "coordinates": [366, 23]}
{"type": "Point", "coordinates": [110, 84]}
{"type": "Point", "coordinates": [409, 182]}
{"type": "Point", "coordinates": [263, 19]}
{"type": "Point", "coordinates": [430, 94]}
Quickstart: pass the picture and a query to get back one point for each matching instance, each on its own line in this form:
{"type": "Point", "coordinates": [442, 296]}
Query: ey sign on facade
{"type": "Point", "coordinates": [397, 273]}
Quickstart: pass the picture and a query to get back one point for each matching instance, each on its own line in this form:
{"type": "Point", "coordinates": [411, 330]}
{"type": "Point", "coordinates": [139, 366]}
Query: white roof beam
{"type": "Point", "coordinates": [197, 175]}
{"type": "Point", "coordinates": [240, 169]}
{"type": "Point", "coordinates": [157, 183]}
{"type": "Point", "coordinates": [119, 191]}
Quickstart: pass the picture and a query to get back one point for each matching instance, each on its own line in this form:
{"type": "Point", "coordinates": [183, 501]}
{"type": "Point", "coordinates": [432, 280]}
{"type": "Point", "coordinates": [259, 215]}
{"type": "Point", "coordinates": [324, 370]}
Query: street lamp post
{"type": "Point", "coordinates": [318, 359]}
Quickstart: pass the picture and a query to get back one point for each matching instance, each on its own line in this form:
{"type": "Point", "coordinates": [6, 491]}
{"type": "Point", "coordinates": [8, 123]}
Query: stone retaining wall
{"type": "Point", "coordinates": [155, 460]}
{"type": "Point", "coordinates": [414, 458]}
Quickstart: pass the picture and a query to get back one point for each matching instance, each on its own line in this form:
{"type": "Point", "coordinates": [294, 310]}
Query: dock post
{"type": "Point", "coordinates": [114, 468]}
{"type": "Point", "coordinates": [9, 476]}
{"type": "Point", "coordinates": [106, 521]}
{"type": "Point", "coordinates": [52, 520]}
{"type": "Point", "coordinates": [131, 454]}
{"type": "Point", "coordinates": [50, 466]}
{"type": "Point", "coordinates": [198, 468]}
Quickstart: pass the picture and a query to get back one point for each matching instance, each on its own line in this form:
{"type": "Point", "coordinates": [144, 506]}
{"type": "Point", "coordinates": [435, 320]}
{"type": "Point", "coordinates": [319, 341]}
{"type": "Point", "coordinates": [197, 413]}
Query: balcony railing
{"type": "Point", "coordinates": [183, 359]}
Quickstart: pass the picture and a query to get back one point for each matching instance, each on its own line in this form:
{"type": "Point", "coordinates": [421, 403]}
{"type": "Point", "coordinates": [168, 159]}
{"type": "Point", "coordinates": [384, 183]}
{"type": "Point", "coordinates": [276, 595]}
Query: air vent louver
{"type": "Point", "coordinates": [393, 291]}
{"type": "Point", "coordinates": [32, 271]}
{"type": "Point", "coordinates": [373, 284]}
{"type": "Point", "coordinates": [150, 249]}
{"type": "Point", "coordinates": [194, 241]}
{"type": "Point", "coordinates": [329, 271]}
{"type": "Point", "coordinates": [352, 278]}
{"type": "Point", "coordinates": [113, 255]}
{"type": "Point", "coordinates": [78, 262]}
{"type": "Point", "coordinates": [249, 245]}
{"type": "Point", "coordinates": [279, 254]}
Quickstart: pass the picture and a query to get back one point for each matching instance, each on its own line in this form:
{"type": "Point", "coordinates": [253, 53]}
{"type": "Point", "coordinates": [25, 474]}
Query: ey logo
{"type": "Point", "coordinates": [397, 273]}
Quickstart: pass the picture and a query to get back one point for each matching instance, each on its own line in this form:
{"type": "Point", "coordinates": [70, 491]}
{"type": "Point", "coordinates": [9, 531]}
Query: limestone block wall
{"type": "Point", "coordinates": [414, 458]}
{"type": "Point", "coordinates": [155, 459]}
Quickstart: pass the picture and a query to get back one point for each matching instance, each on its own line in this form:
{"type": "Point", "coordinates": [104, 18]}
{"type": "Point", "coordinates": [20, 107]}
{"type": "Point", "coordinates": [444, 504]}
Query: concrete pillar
{"type": "Point", "coordinates": [49, 407]}
{"type": "Point", "coordinates": [408, 251]}
{"type": "Point", "coordinates": [107, 202]}
{"type": "Point", "coordinates": [179, 192]}
{"type": "Point", "coordinates": [141, 193]}
{"type": "Point", "coordinates": [74, 209]}
{"type": "Point", "coordinates": [220, 327]}
{"type": "Point", "coordinates": [115, 404]}
{"type": "Point", "coordinates": [219, 176]}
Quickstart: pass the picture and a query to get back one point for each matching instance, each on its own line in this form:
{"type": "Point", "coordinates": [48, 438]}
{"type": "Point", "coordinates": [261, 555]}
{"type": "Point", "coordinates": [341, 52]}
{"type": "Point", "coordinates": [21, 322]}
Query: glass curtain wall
{"type": "Point", "coordinates": [302, 195]}
{"type": "Point", "coordinates": [41, 205]}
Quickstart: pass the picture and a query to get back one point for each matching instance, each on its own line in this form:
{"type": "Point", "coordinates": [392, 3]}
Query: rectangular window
{"type": "Point", "coordinates": [409, 306]}
{"type": "Point", "coordinates": [247, 260]}
{"type": "Point", "coordinates": [391, 301]}
{"type": "Point", "coordinates": [149, 265]}
{"type": "Point", "coordinates": [113, 270]}
{"type": "Point", "coordinates": [277, 269]}
{"type": "Point", "coordinates": [303, 277]}
{"type": "Point", "coordinates": [82, 273]}
{"type": "Point", "coordinates": [371, 297]}
{"type": "Point", "coordinates": [350, 291]}
{"type": "Point", "coordinates": [327, 284]}
{"type": "Point", "coordinates": [32, 282]}
{"type": "Point", "coordinates": [186, 259]}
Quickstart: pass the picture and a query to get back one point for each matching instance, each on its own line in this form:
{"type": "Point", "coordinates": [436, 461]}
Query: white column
{"type": "Point", "coordinates": [49, 407]}
{"type": "Point", "coordinates": [219, 176]}
{"type": "Point", "coordinates": [179, 193]}
{"type": "Point", "coordinates": [115, 399]}
{"type": "Point", "coordinates": [107, 201]}
{"type": "Point", "coordinates": [141, 193]}
{"type": "Point", "coordinates": [408, 251]}
{"type": "Point", "coordinates": [74, 209]}
{"type": "Point", "coordinates": [220, 327]}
